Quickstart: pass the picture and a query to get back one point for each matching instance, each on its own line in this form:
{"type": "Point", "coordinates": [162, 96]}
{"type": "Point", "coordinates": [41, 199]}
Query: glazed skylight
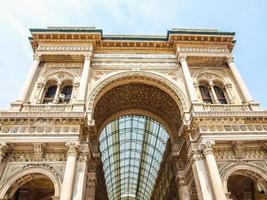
{"type": "Point", "coordinates": [132, 149]}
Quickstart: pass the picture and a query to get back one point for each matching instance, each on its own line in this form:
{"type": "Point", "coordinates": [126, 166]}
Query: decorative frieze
{"type": "Point", "coordinates": [227, 154]}
{"type": "Point", "coordinates": [225, 107]}
{"type": "Point", "coordinates": [233, 128]}
{"type": "Point", "coordinates": [146, 56]}
{"type": "Point", "coordinates": [203, 50]}
{"type": "Point", "coordinates": [32, 115]}
{"type": "Point", "coordinates": [30, 157]}
{"type": "Point", "coordinates": [40, 129]}
{"type": "Point", "coordinates": [61, 48]}
{"type": "Point", "coordinates": [162, 65]}
{"type": "Point", "coordinates": [47, 108]}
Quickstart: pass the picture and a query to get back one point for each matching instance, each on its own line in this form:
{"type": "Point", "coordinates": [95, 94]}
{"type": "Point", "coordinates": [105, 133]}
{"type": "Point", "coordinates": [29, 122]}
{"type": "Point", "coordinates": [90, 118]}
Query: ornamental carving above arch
{"type": "Point", "coordinates": [210, 76]}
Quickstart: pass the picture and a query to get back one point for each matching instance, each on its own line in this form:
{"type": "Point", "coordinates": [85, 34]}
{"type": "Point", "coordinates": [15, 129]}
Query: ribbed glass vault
{"type": "Point", "coordinates": [132, 149]}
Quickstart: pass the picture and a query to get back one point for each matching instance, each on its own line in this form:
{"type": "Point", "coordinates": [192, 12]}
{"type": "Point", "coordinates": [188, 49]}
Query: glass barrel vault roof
{"type": "Point", "coordinates": [132, 149]}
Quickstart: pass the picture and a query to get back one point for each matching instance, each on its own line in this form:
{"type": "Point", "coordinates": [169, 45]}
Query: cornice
{"type": "Point", "coordinates": [80, 34]}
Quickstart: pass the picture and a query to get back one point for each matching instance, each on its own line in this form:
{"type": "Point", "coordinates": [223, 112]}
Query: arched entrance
{"type": "Point", "coordinates": [135, 123]}
{"type": "Point", "coordinates": [241, 187]}
{"type": "Point", "coordinates": [245, 181]}
{"type": "Point", "coordinates": [32, 182]}
{"type": "Point", "coordinates": [31, 187]}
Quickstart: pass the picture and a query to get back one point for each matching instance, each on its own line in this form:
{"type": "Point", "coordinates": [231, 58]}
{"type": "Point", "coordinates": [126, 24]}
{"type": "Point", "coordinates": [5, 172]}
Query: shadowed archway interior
{"type": "Point", "coordinates": [32, 187]}
{"type": "Point", "coordinates": [137, 95]}
{"type": "Point", "coordinates": [132, 149]}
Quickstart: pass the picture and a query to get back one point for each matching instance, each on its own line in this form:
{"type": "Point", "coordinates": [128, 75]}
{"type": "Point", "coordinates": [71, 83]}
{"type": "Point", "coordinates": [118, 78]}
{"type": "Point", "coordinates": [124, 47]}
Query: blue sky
{"type": "Point", "coordinates": [245, 17]}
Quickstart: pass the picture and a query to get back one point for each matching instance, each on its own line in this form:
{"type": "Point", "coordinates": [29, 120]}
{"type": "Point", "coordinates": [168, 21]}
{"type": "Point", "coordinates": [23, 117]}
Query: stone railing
{"type": "Point", "coordinates": [225, 107]}
{"type": "Point", "coordinates": [47, 108]}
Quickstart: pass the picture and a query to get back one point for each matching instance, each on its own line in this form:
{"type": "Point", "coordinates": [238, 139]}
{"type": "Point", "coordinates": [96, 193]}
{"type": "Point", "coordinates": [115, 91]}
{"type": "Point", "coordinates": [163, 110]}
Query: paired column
{"type": "Point", "coordinates": [29, 79]}
{"type": "Point", "coordinates": [213, 93]}
{"type": "Point", "coordinates": [72, 153]}
{"type": "Point", "coordinates": [239, 80]}
{"type": "Point", "coordinates": [207, 148]}
{"type": "Point", "coordinates": [56, 98]}
{"type": "Point", "coordinates": [84, 79]}
{"type": "Point", "coordinates": [188, 79]}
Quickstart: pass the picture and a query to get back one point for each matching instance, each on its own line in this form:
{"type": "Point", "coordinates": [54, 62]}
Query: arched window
{"type": "Point", "coordinates": [205, 94]}
{"type": "Point", "coordinates": [50, 94]}
{"type": "Point", "coordinates": [220, 94]}
{"type": "Point", "coordinates": [65, 94]}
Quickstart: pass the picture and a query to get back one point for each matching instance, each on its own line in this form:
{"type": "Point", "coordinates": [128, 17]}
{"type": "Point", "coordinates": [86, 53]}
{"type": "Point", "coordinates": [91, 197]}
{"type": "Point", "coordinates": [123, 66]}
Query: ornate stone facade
{"type": "Point", "coordinates": [187, 81]}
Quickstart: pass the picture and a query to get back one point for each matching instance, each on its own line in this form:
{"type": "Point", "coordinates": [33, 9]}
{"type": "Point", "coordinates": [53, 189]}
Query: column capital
{"type": "Point", "coordinates": [195, 154]}
{"type": "Point", "coordinates": [72, 148]}
{"type": "Point", "coordinates": [207, 147]}
{"type": "Point", "coordinates": [3, 151]}
{"type": "Point", "coordinates": [230, 59]}
{"type": "Point", "coordinates": [88, 56]}
{"type": "Point", "coordinates": [37, 57]}
{"type": "Point", "coordinates": [182, 58]}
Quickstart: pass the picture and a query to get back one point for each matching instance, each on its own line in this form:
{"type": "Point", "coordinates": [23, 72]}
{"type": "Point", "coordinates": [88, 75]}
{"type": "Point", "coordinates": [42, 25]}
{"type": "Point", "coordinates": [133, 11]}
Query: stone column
{"type": "Point", "coordinates": [207, 148]}
{"type": "Point", "coordinates": [204, 190]}
{"type": "Point", "coordinates": [29, 79]}
{"type": "Point", "coordinates": [84, 79]}
{"type": "Point", "coordinates": [3, 151]}
{"type": "Point", "coordinates": [183, 191]}
{"type": "Point", "coordinates": [72, 153]}
{"type": "Point", "coordinates": [228, 87]}
{"type": "Point", "coordinates": [188, 79]}
{"type": "Point", "coordinates": [91, 185]}
{"type": "Point", "coordinates": [239, 80]}
{"type": "Point", "coordinates": [56, 97]}
{"type": "Point", "coordinates": [214, 95]}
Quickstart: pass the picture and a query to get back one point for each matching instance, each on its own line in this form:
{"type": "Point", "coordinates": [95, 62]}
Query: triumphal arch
{"type": "Point", "coordinates": [133, 117]}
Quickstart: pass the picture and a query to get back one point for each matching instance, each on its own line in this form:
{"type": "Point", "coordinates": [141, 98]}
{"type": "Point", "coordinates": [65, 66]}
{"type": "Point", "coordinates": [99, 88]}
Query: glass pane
{"type": "Point", "coordinates": [132, 148]}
